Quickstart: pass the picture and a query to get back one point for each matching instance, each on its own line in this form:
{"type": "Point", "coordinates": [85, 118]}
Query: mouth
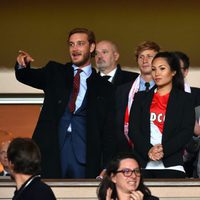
{"type": "Point", "coordinates": [100, 61]}
{"type": "Point", "coordinates": [75, 55]}
{"type": "Point", "coordinates": [132, 183]}
{"type": "Point", "coordinates": [146, 65]}
{"type": "Point", "coordinates": [157, 79]}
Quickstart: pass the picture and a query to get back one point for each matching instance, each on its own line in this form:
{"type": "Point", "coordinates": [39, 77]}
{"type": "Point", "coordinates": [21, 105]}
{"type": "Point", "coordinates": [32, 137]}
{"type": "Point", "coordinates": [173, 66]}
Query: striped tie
{"type": "Point", "coordinates": [76, 86]}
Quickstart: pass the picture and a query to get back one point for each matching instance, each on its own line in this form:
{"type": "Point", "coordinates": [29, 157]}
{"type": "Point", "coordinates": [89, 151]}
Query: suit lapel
{"type": "Point", "coordinates": [64, 88]}
{"type": "Point", "coordinates": [169, 116]}
{"type": "Point", "coordinates": [117, 76]}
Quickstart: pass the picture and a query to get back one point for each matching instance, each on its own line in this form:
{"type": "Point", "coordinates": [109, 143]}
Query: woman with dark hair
{"type": "Point", "coordinates": [162, 120]}
{"type": "Point", "coordinates": [123, 181]}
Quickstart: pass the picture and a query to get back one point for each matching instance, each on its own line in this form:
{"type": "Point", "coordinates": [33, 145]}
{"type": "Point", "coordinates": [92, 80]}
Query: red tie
{"type": "Point", "coordinates": [76, 86]}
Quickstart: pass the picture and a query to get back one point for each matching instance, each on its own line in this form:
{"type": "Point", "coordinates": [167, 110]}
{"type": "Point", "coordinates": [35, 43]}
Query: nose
{"type": "Point", "coordinates": [157, 73]}
{"type": "Point", "coordinates": [145, 59]}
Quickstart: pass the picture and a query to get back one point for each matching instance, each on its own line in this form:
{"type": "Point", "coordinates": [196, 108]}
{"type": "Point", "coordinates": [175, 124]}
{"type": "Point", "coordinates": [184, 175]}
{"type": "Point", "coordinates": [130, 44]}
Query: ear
{"type": "Point", "coordinates": [116, 56]}
{"type": "Point", "coordinates": [186, 72]}
{"type": "Point", "coordinates": [92, 47]}
{"type": "Point", "coordinates": [113, 178]}
{"type": "Point", "coordinates": [173, 73]}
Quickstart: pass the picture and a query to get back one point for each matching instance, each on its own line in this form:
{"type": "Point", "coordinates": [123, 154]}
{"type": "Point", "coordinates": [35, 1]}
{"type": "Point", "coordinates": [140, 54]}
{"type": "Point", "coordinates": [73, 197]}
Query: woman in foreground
{"type": "Point", "coordinates": [123, 181]}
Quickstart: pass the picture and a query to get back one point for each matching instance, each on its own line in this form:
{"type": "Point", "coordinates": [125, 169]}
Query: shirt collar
{"type": "Point", "coordinates": [142, 82]}
{"type": "Point", "coordinates": [112, 73]}
{"type": "Point", "coordinates": [87, 70]}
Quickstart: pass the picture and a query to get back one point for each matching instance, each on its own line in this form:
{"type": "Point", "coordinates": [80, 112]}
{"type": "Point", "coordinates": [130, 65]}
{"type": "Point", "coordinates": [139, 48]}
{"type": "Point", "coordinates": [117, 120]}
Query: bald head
{"type": "Point", "coordinates": [107, 56]}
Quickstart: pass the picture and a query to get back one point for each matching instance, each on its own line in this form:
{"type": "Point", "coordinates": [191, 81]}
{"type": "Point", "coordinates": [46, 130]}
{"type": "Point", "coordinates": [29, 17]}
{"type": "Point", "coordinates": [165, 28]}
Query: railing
{"type": "Point", "coordinates": [21, 99]}
{"type": "Point", "coordinates": [85, 189]}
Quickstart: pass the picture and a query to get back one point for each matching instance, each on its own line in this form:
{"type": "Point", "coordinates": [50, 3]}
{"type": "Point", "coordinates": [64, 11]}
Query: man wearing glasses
{"type": "Point", "coordinates": [74, 130]}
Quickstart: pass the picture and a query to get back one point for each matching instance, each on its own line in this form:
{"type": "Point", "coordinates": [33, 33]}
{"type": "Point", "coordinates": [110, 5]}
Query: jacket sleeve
{"type": "Point", "coordinates": [34, 77]}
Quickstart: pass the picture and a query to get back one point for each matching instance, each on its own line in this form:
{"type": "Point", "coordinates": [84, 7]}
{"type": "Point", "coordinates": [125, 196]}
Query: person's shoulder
{"type": "Point", "coordinates": [125, 85]}
{"type": "Point", "coordinates": [96, 81]}
{"type": "Point", "coordinates": [195, 89]}
{"type": "Point", "coordinates": [129, 74]}
{"type": "Point", "coordinates": [58, 65]}
{"type": "Point", "coordinates": [54, 67]}
{"type": "Point", "coordinates": [183, 97]}
{"type": "Point", "coordinates": [41, 187]}
{"type": "Point", "coordinates": [134, 74]}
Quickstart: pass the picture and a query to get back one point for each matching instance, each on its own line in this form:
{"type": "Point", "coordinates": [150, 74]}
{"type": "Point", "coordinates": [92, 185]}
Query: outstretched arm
{"type": "Point", "coordinates": [24, 59]}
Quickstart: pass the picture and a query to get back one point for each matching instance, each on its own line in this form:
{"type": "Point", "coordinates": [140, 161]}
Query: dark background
{"type": "Point", "coordinates": [41, 27]}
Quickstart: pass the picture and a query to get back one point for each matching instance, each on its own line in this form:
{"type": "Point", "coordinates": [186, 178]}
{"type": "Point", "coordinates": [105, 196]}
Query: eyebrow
{"type": "Point", "coordinates": [159, 66]}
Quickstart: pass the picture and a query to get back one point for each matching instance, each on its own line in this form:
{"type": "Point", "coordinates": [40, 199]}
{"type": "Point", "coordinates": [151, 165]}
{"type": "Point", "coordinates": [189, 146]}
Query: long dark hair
{"type": "Point", "coordinates": [173, 61]}
{"type": "Point", "coordinates": [108, 183]}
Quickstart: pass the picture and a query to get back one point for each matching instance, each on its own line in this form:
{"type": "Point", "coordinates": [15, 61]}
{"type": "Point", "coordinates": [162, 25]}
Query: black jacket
{"type": "Point", "coordinates": [56, 80]}
{"type": "Point", "coordinates": [177, 131]}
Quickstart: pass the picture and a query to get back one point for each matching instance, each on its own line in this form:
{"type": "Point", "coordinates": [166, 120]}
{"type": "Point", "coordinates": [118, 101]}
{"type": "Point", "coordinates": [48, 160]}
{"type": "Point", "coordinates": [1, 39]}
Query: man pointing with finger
{"type": "Point", "coordinates": [75, 128]}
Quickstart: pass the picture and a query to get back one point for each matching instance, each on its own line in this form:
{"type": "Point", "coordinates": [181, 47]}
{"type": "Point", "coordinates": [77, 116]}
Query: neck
{"type": "Point", "coordinates": [123, 196]}
{"type": "Point", "coordinates": [20, 179]}
{"type": "Point", "coordinates": [164, 90]}
{"type": "Point", "coordinates": [108, 70]}
{"type": "Point", "coordinates": [147, 77]}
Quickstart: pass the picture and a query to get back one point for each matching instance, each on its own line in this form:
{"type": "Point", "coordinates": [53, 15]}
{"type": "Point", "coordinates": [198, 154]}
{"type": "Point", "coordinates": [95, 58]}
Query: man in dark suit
{"type": "Point", "coordinates": [75, 141]}
{"type": "Point", "coordinates": [106, 58]}
{"type": "Point", "coordinates": [192, 149]}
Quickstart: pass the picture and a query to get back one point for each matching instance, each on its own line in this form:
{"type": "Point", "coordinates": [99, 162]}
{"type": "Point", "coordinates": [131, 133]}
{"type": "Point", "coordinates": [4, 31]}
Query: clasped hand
{"type": "Point", "coordinates": [134, 195]}
{"type": "Point", "coordinates": [156, 152]}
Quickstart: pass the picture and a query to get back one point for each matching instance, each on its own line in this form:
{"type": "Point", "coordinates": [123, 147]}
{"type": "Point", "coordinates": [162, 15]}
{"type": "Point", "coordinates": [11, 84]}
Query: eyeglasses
{"type": "Point", "coordinates": [128, 172]}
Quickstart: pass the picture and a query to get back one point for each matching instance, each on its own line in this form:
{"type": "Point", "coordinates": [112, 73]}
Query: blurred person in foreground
{"type": "Point", "coordinates": [24, 162]}
{"type": "Point", "coordinates": [5, 139]}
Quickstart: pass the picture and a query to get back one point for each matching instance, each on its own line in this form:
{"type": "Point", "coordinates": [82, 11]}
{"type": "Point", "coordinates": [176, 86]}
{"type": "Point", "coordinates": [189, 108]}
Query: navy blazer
{"type": "Point", "coordinates": [56, 80]}
{"type": "Point", "coordinates": [177, 131]}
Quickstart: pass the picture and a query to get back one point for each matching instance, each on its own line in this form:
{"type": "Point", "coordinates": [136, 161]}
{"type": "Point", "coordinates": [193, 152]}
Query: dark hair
{"type": "Point", "coordinates": [113, 166]}
{"type": "Point", "coordinates": [146, 45]}
{"type": "Point", "coordinates": [173, 61]}
{"type": "Point", "coordinates": [90, 35]}
{"type": "Point", "coordinates": [24, 154]}
{"type": "Point", "coordinates": [185, 59]}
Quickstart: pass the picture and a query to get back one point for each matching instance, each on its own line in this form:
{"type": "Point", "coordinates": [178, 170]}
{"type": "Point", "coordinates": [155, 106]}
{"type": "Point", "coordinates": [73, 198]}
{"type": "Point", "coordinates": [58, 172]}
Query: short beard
{"type": "Point", "coordinates": [101, 67]}
{"type": "Point", "coordinates": [85, 59]}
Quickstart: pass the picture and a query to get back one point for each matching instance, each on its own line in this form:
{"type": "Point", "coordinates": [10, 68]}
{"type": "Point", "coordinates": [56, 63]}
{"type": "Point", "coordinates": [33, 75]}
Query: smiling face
{"type": "Point", "coordinates": [162, 73]}
{"type": "Point", "coordinates": [80, 49]}
{"type": "Point", "coordinates": [125, 185]}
